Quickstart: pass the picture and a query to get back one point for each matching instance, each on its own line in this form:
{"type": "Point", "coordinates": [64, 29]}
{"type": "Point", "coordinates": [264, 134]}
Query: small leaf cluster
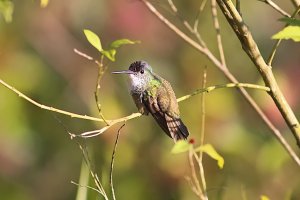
{"type": "Point", "coordinates": [109, 53]}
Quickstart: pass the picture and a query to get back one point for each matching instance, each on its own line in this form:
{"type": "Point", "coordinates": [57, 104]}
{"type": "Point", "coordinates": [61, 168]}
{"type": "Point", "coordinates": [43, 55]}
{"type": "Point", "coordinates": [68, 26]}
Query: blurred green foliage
{"type": "Point", "coordinates": [6, 9]}
{"type": "Point", "coordinates": [38, 160]}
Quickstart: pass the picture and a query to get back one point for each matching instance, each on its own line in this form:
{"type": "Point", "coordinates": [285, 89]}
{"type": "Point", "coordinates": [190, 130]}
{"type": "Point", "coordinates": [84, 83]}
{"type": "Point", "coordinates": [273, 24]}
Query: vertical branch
{"type": "Point", "coordinates": [112, 163]}
{"type": "Point", "coordinates": [202, 132]}
{"type": "Point", "coordinates": [101, 70]}
{"type": "Point", "coordinates": [195, 180]}
{"type": "Point", "coordinates": [217, 28]}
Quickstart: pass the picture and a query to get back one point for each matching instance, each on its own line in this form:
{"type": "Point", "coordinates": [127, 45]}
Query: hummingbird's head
{"type": "Point", "coordinates": [140, 75]}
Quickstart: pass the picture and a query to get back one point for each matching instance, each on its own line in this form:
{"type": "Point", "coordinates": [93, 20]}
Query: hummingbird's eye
{"type": "Point", "coordinates": [142, 71]}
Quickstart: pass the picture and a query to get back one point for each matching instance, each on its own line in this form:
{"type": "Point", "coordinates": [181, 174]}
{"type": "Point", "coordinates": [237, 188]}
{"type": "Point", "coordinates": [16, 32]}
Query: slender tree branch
{"type": "Point", "coordinates": [296, 3]}
{"type": "Point", "coordinates": [194, 44]}
{"type": "Point", "coordinates": [250, 47]}
{"type": "Point", "coordinates": [202, 133]}
{"type": "Point", "coordinates": [49, 108]}
{"type": "Point", "coordinates": [195, 180]}
{"type": "Point", "coordinates": [192, 185]}
{"type": "Point", "coordinates": [112, 163]}
{"type": "Point", "coordinates": [276, 7]}
{"type": "Point", "coordinates": [101, 70]}
{"type": "Point", "coordinates": [217, 28]}
{"type": "Point", "coordinates": [86, 186]}
{"type": "Point", "coordinates": [201, 8]}
{"type": "Point", "coordinates": [229, 85]}
{"type": "Point", "coordinates": [193, 30]}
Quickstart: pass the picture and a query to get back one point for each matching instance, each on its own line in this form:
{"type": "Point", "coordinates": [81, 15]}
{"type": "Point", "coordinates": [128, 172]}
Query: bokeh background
{"type": "Point", "coordinates": [38, 160]}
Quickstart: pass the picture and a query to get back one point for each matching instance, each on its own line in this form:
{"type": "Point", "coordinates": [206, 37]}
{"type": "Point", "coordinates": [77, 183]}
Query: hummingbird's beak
{"type": "Point", "coordinates": [123, 72]}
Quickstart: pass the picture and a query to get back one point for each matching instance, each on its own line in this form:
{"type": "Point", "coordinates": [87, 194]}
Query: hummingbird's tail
{"type": "Point", "coordinates": [177, 129]}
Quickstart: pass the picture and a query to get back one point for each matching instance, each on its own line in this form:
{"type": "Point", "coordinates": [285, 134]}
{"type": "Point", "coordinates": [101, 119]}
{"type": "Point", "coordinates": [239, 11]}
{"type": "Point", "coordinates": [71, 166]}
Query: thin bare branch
{"type": "Point", "coordinates": [276, 7]}
{"type": "Point", "coordinates": [194, 175]}
{"type": "Point", "coordinates": [112, 163]}
{"type": "Point", "coordinates": [217, 28]}
{"type": "Point", "coordinates": [84, 55]}
{"type": "Point", "coordinates": [86, 186]}
{"type": "Point", "coordinates": [193, 30]}
{"type": "Point", "coordinates": [49, 108]}
{"type": "Point", "coordinates": [296, 3]}
{"type": "Point", "coordinates": [192, 185]}
{"type": "Point", "coordinates": [229, 85]}
{"type": "Point", "coordinates": [202, 6]}
{"type": "Point", "coordinates": [101, 70]}
{"type": "Point", "coordinates": [202, 133]}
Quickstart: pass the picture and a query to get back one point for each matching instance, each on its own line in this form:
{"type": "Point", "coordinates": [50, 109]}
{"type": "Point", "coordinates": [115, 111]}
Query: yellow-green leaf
{"type": "Point", "coordinates": [44, 3]}
{"type": "Point", "coordinates": [110, 54]}
{"type": "Point", "coordinates": [264, 197]}
{"type": "Point", "coordinates": [7, 9]}
{"type": "Point", "coordinates": [210, 150]}
{"type": "Point", "coordinates": [289, 32]}
{"type": "Point", "coordinates": [180, 147]}
{"type": "Point", "coordinates": [93, 39]}
{"type": "Point", "coordinates": [117, 43]}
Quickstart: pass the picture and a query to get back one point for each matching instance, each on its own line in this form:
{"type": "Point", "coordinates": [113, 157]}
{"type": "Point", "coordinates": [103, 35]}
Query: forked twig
{"type": "Point", "coordinates": [276, 7]}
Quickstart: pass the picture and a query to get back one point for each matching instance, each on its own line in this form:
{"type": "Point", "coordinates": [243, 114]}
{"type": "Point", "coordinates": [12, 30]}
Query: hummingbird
{"type": "Point", "coordinates": [153, 94]}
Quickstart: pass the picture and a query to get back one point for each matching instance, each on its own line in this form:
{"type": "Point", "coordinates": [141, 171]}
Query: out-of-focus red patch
{"type": "Point", "coordinates": [192, 141]}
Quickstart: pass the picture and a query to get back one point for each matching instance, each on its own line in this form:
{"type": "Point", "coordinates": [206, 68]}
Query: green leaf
{"type": "Point", "coordinates": [289, 32]}
{"type": "Point", "coordinates": [44, 3]}
{"type": "Point", "coordinates": [110, 54]}
{"type": "Point", "coordinates": [7, 9]}
{"type": "Point", "coordinates": [180, 147]}
{"type": "Point", "coordinates": [117, 43]}
{"type": "Point", "coordinates": [210, 150]}
{"type": "Point", "coordinates": [93, 39]}
{"type": "Point", "coordinates": [291, 21]}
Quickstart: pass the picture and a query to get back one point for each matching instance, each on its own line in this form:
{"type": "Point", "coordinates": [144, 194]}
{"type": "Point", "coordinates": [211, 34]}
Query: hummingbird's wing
{"type": "Point", "coordinates": [139, 104]}
{"type": "Point", "coordinates": [164, 109]}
